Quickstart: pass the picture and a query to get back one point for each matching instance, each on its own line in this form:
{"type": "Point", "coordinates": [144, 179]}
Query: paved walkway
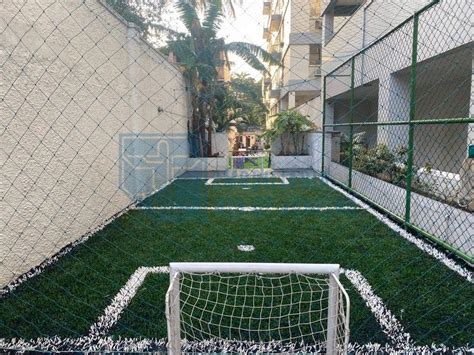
{"type": "Point", "coordinates": [248, 173]}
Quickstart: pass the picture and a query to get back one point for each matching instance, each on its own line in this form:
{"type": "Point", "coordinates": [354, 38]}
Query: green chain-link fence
{"type": "Point", "coordinates": [397, 126]}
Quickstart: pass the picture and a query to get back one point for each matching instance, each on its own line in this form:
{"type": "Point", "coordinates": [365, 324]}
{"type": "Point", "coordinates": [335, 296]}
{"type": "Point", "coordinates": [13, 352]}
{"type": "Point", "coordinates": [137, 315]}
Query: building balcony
{"type": "Point", "coordinates": [305, 37]}
{"type": "Point", "coordinates": [274, 93]}
{"type": "Point", "coordinates": [266, 34]}
{"type": "Point", "coordinates": [275, 21]}
{"type": "Point", "coordinates": [310, 86]}
{"type": "Point", "coordinates": [267, 8]}
{"type": "Point", "coordinates": [341, 7]}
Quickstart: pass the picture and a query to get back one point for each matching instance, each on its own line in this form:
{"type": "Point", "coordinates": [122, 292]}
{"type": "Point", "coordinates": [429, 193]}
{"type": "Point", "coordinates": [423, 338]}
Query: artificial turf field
{"type": "Point", "coordinates": [433, 303]}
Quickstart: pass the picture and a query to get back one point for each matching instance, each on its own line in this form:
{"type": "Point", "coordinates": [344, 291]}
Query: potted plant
{"type": "Point", "coordinates": [287, 135]}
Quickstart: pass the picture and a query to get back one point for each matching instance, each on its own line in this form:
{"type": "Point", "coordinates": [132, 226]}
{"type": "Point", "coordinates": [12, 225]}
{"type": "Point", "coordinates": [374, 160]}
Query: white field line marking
{"type": "Point", "coordinates": [96, 341]}
{"type": "Point", "coordinates": [152, 345]}
{"type": "Point", "coordinates": [247, 208]}
{"type": "Point", "coordinates": [427, 248]}
{"type": "Point", "coordinates": [284, 181]}
{"type": "Point", "coordinates": [387, 321]}
{"type": "Point", "coordinates": [247, 248]}
{"type": "Point", "coordinates": [121, 301]}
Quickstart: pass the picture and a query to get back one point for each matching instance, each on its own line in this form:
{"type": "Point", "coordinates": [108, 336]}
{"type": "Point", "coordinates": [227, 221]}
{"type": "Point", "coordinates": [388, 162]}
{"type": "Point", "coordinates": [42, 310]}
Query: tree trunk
{"type": "Point", "coordinates": [209, 139]}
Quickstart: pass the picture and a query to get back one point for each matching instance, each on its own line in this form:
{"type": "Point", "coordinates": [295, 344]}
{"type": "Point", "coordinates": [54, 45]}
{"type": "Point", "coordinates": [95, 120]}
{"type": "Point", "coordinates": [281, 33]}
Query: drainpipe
{"type": "Point", "coordinates": [364, 25]}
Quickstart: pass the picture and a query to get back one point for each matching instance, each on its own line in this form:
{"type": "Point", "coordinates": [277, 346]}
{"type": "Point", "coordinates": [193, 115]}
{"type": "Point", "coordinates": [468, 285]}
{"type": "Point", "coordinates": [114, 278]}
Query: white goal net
{"type": "Point", "coordinates": [240, 307]}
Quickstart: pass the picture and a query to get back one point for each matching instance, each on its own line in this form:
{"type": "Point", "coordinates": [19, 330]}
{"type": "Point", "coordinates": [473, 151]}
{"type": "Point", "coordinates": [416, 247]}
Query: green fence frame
{"type": "Point", "coordinates": [411, 123]}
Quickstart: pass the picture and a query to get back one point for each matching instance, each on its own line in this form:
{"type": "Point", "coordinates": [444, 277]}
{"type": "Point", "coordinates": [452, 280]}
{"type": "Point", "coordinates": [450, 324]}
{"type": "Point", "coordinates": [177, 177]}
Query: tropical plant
{"type": "Point", "coordinates": [201, 53]}
{"type": "Point", "coordinates": [146, 13]}
{"type": "Point", "coordinates": [240, 104]}
{"type": "Point", "coordinates": [289, 127]}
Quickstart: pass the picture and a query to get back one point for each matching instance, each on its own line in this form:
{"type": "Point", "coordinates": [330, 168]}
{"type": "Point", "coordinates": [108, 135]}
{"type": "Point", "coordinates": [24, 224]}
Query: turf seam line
{"type": "Point", "coordinates": [121, 301]}
{"type": "Point", "coordinates": [247, 208]}
{"type": "Point", "coordinates": [386, 319]}
{"type": "Point", "coordinates": [420, 244]}
{"type": "Point", "coordinates": [35, 271]}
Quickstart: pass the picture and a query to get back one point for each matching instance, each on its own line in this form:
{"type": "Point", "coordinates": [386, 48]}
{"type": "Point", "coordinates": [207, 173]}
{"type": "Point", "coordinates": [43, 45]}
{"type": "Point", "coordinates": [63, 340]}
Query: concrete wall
{"type": "Point", "coordinates": [312, 108]}
{"type": "Point", "coordinates": [93, 118]}
{"type": "Point", "coordinates": [371, 21]}
{"type": "Point", "coordinates": [366, 111]}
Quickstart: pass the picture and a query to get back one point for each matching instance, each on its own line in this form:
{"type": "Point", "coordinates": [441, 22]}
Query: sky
{"type": "Point", "coordinates": [247, 26]}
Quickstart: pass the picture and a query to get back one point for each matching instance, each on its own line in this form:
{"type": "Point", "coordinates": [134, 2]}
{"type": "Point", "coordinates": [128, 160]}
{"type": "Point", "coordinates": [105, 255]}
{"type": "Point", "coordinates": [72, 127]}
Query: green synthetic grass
{"type": "Point", "coordinates": [299, 193]}
{"type": "Point", "coordinates": [432, 302]}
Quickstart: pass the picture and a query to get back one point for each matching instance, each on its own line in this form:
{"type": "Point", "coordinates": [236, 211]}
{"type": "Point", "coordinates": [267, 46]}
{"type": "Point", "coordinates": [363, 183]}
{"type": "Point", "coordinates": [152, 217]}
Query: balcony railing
{"type": "Point", "coordinates": [266, 33]}
{"type": "Point", "coordinates": [275, 93]}
{"type": "Point", "coordinates": [267, 8]}
{"type": "Point", "coordinates": [275, 21]}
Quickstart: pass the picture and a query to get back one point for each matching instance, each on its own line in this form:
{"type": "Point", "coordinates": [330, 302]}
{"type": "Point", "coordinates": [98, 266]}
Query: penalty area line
{"type": "Point", "coordinates": [121, 301]}
{"type": "Point", "coordinates": [98, 340]}
{"type": "Point", "coordinates": [389, 324]}
{"type": "Point", "coordinates": [210, 182]}
{"type": "Point", "coordinates": [247, 208]}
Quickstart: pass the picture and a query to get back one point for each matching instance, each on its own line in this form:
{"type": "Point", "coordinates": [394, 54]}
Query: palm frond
{"type": "Point", "coordinates": [227, 5]}
{"type": "Point", "coordinates": [256, 51]}
{"type": "Point", "coordinates": [188, 14]}
{"type": "Point", "coordinates": [252, 54]}
{"type": "Point", "coordinates": [166, 30]}
{"type": "Point", "coordinates": [213, 18]}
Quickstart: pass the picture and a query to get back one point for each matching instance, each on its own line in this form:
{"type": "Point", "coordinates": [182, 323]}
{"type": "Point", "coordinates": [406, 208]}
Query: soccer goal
{"type": "Point", "coordinates": [256, 307]}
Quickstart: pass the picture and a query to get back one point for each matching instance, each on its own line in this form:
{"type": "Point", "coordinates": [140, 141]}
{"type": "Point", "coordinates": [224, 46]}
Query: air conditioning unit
{"type": "Point", "coordinates": [318, 23]}
{"type": "Point", "coordinates": [317, 70]}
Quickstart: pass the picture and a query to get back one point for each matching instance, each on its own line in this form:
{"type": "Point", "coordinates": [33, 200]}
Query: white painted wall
{"type": "Point", "coordinates": [92, 118]}
{"type": "Point", "coordinates": [371, 21]}
{"type": "Point", "coordinates": [312, 109]}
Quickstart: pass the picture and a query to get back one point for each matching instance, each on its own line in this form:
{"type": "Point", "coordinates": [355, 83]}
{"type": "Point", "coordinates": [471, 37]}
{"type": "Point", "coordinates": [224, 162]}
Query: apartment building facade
{"type": "Point", "coordinates": [382, 73]}
{"type": "Point", "coordinates": [293, 34]}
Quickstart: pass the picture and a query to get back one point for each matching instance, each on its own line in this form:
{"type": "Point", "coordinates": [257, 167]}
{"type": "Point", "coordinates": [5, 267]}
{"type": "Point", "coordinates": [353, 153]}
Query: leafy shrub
{"type": "Point", "coordinates": [383, 163]}
{"type": "Point", "coordinates": [289, 126]}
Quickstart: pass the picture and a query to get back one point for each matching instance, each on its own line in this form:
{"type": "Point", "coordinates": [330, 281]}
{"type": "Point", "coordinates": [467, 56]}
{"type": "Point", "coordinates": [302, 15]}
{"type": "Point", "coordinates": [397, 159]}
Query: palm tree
{"type": "Point", "coordinates": [200, 53]}
{"type": "Point", "coordinates": [148, 12]}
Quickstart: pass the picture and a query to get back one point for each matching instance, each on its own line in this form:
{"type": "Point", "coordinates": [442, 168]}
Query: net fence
{"type": "Point", "coordinates": [136, 133]}
{"type": "Point", "coordinates": [400, 129]}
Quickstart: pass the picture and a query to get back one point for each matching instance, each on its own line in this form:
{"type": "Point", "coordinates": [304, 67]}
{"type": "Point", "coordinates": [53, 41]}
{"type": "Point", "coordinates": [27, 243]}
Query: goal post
{"type": "Point", "coordinates": [268, 307]}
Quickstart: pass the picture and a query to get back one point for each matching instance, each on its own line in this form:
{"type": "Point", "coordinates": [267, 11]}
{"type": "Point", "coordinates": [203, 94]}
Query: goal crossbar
{"type": "Point", "coordinates": [336, 318]}
{"type": "Point", "coordinates": [258, 268]}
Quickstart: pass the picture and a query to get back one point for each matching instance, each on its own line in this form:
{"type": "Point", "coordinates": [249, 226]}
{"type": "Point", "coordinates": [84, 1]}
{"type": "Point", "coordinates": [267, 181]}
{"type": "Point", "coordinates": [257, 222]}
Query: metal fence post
{"type": "Point", "coordinates": [351, 119]}
{"type": "Point", "coordinates": [324, 127]}
{"type": "Point", "coordinates": [411, 126]}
